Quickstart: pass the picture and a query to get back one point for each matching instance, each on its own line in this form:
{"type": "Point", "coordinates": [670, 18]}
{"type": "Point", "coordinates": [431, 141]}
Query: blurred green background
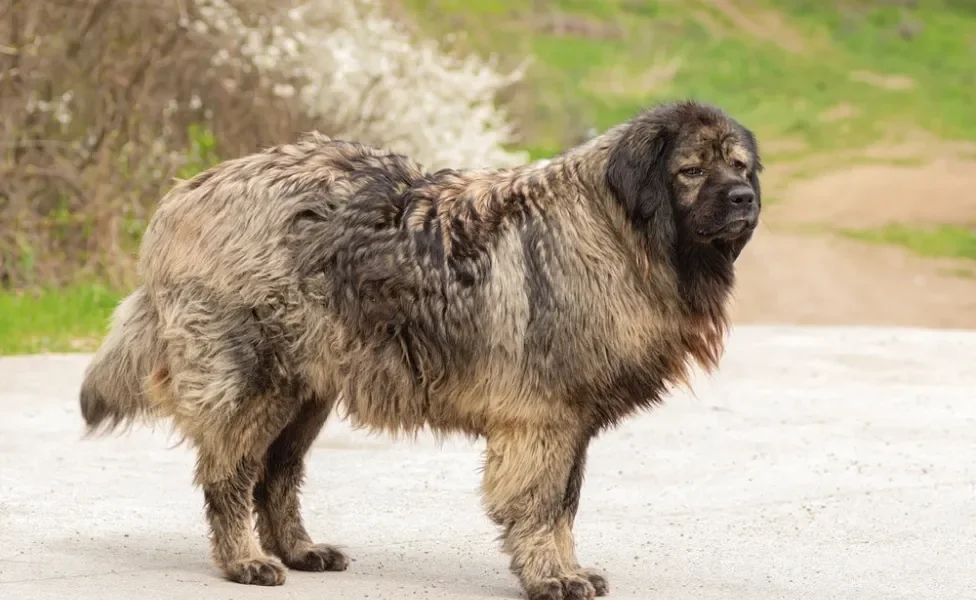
{"type": "Point", "coordinates": [864, 111]}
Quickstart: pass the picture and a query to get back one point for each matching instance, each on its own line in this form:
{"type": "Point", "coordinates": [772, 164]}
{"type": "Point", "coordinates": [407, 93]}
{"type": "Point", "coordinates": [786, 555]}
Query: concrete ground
{"type": "Point", "coordinates": [819, 463]}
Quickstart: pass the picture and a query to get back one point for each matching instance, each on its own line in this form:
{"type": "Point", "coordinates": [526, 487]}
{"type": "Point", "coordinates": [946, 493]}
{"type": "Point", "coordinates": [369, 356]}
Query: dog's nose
{"type": "Point", "coordinates": [742, 195]}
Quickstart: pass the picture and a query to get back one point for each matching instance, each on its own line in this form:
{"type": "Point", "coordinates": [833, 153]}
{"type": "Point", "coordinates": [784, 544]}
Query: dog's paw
{"type": "Point", "coordinates": [257, 571]}
{"type": "Point", "coordinates": [599, 581]}
{"type": "Point", "coordinates": [563, 588]}
{"type": "Point", "coordinates": [320, 557]}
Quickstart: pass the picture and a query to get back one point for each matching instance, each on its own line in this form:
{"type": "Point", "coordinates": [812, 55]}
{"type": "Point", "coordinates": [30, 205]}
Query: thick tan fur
{"type": "Point", "coordinates": [535, 307]}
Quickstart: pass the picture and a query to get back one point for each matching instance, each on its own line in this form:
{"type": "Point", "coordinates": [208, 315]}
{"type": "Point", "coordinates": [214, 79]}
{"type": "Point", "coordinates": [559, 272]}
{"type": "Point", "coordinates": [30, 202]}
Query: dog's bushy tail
{"type": "Point", "coordinates": [115, 386]}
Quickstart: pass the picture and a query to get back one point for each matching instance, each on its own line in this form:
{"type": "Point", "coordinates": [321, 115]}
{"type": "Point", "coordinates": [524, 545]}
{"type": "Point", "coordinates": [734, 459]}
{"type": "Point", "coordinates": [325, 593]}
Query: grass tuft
{"type": "Point", "coordinates": [944, 241]}
{"type": "Point", "coordinates": [68, 320]}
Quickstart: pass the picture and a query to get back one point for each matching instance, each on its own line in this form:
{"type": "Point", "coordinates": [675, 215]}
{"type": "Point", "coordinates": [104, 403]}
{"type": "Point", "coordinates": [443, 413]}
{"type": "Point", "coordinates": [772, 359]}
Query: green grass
{"type": "Point", "coordinates": [778, 92]}
{"type": "Point", "coordinates": [69, 320]}
{"type": "Point", "coordinates": [945, 241]}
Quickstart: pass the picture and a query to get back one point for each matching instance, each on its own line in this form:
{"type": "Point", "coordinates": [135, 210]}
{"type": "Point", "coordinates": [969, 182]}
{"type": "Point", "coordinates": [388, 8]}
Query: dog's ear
{"type": "Point", "coordinates": [638, 175]}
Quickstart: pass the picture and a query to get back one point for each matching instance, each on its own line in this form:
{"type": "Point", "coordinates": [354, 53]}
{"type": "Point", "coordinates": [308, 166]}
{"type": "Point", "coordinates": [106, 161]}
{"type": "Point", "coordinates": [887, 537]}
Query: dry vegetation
{"type": "Point", "coordinates": [106, 101]}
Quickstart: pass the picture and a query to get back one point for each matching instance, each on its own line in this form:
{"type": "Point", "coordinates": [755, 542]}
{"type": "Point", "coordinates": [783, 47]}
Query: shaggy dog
{"type": "Point", "coordinates": [534, 306]}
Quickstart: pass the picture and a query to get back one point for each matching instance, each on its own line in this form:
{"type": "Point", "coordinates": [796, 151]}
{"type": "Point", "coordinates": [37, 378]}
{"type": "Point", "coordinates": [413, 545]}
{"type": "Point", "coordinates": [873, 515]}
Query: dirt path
{"type": "Point", "coordinates": [790, 277]}
{"type": "Point", "coordinates": [941, 191]}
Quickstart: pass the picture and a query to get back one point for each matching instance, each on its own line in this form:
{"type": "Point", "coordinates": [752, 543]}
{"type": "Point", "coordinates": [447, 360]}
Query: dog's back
{"type": "Point", "coordinates": [230, 226]}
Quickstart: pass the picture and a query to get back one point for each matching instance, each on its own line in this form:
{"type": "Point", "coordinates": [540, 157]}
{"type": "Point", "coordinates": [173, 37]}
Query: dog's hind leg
{"type": "Point", "coordinates": [276, 495]}
{"type": "Point", "coordinates": [228, 503]}
{"type": "Point", "coordinates": [230, 461]}
{"type": "Point", "coordinates": [564, 526]}
{"type": "Point", "coordinates": [526, 476]}
{"type": "Point", "coordinates": [228, 394]}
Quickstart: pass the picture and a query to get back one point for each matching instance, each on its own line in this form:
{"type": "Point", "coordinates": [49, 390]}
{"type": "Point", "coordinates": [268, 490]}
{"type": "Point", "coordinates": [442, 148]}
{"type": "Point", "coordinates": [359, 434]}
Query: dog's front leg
{"type": "Point", "coordinates": [527, 474]}
{"type": "Point", "coordinates": [565, 541]}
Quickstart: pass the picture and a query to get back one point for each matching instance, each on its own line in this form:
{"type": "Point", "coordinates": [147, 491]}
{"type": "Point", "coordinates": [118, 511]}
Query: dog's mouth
{"type": "Point", "coordinates": [739, 226]}
{"type": "Point", "coordinates": [733, 229]}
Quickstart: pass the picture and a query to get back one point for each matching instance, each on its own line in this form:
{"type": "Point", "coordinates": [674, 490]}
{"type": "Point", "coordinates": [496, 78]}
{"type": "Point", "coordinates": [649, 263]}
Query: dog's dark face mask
{"type": "Point", "coordinates": [714, 174]}
{"type": "Point", "coordinates": [689, 172]}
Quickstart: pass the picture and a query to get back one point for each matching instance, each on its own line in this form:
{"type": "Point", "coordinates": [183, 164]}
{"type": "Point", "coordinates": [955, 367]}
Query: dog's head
{"type": "Point", "coordinates": [688, 171]}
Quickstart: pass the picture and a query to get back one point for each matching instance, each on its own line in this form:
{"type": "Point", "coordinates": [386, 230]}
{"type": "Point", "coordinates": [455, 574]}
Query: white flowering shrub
{"type": "Point", "coordinates": [105, 103]}
{"type": "Point", "coordinates": [362, 77]}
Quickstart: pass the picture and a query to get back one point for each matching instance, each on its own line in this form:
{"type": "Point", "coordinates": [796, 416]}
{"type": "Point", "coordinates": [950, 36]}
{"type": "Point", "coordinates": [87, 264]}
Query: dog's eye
{"type": "Point", "coordinates": [738, 165]}
{"type": "Point", "coordinates": [693, 172]}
